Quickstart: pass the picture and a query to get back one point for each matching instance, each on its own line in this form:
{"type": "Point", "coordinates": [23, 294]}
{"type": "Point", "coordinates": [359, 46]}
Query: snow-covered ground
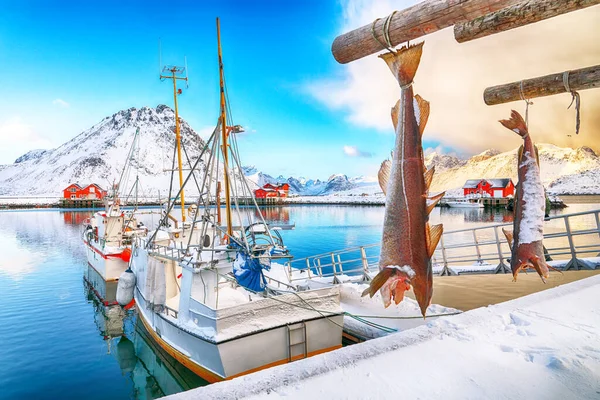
{"type": "Point", "coordinates": [541, 346]}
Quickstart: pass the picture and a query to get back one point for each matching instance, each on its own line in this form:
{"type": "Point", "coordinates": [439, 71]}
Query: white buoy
{"type": "Point", "coordinates": [125, 287]}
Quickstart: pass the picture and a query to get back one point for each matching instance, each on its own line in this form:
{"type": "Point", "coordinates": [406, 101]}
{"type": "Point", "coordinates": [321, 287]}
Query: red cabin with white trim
{"type": "Point", "coordinates": [84, 192]}
{"type": "Point", "coordinates": [490, 187]}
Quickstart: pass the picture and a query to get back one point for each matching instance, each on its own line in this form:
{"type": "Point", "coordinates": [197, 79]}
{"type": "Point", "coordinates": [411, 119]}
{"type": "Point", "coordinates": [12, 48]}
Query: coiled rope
{"type": "Point", "coordinates": [385, 31]}
{"type": "Point", "coordinates": [574, 98]}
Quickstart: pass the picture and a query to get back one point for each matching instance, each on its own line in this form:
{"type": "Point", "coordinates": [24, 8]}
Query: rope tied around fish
{"type": "Point", "coordinates": [574, 98]}
{"type": "Point", "coordinates": [388, 42]}
{"type": "Point", "coordinates": [386, 33]}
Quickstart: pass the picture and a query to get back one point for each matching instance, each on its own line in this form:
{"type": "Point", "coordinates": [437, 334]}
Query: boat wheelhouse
{"type": "Point", "coordinates": [202, 290]}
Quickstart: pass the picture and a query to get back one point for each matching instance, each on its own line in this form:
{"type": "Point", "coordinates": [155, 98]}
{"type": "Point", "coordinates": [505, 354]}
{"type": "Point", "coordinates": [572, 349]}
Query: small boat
{"type": "Point", "coordinates": [108, 234]}
{"type": "Point", "coordinates": [200, 287]}
{"type": "Point", "coordinates": [465, 203]}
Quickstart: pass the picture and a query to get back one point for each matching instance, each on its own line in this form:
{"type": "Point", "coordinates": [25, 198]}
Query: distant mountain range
{"type": "Point", "coordinates": [99, 154]}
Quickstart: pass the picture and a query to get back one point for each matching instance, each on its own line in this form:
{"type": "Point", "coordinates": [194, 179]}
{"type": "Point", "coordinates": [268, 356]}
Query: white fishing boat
{"type": "Point", "coordinates": [108, 234]}
{"type": "Point", "coordinates": [200, 289]}
{"type": "Point", "coordinates": [465, 203]}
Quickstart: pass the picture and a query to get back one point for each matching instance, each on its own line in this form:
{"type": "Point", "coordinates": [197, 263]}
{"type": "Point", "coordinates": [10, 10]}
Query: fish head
{"type": "Point", "coordinates": [396, 285]}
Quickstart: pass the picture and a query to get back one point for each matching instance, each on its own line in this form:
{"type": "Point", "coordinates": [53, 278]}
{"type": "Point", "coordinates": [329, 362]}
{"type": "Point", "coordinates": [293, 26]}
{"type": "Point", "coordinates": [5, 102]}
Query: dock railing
{"type": "Point", "coordinates": [570, 238]}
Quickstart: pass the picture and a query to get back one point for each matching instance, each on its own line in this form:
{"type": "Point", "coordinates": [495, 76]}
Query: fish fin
{"type": "Point", "coordinates": [434, 200]}
{"type": "Point", "coordinates": [537, 155]}
{"type": "Point", "coordinates": [541, 267]}
{"type": "Point", "coordinates": [384, 175]}
{"type": "Point", "coordinates": [428, 175]}
{"type": "Point", "coordinates": [434, 235]}
{"type": "Point", "coordinates": [404, 62]}
{"type": "Point", "coordinates": [395, 112]}
{"type": "Point", "coordinates": [423, 113]}
{"type": "Point", "coordinates": [378, 281]}
{"type": "Point", "coordinates": [523, 265]}
{"type": "Point", "coordinates": [520, 154]}
{"type": "Point", "coordinates": [509, 238]}
{"type": "Point", "coordinates": [516, 123]}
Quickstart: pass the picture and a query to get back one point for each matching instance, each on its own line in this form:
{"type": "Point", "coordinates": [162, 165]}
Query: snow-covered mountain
{"type": "Point", "coordinates": [563, 170]}
{"type": "Point", "coordinates": [99, 154]}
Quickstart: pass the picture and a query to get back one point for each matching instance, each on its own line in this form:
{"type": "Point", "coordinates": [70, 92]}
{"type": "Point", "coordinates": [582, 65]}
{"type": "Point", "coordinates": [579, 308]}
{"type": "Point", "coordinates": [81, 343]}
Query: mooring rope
{"type": "Point", "coordinates": [359, 318]}
{"type": "Point", "coordinates": [574, 98]}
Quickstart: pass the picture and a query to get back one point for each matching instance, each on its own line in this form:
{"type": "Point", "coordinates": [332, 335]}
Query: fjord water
{"type": "Point", "coordinates": [57, 341]}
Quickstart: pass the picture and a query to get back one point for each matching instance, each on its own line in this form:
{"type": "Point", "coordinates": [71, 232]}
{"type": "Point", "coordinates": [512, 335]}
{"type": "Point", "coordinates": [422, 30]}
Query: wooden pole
{"type": "Point", "coordinates": [527, 12]}
{"type": "Point", "coordinates": [421, 19]}
{"type": "Point", "coordinates": [579, 79]}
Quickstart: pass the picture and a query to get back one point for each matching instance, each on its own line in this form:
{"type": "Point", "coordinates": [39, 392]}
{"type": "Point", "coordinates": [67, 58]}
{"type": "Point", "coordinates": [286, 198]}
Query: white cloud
{"type": "Point", "coordinates": [453, 77]}
{"type": "Point", "coordinates": [61, 103]}
{"type": "Point", "coordinates": [353, 151]}
{"type": "Point", "coordinates": [205, 132]}
{"type": "Point", "coordinates": [17, 138]}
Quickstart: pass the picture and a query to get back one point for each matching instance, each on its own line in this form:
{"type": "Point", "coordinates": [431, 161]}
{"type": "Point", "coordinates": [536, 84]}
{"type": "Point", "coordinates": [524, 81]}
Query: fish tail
{"type": "Point", "coordinates": [404, 62]}
{"type": "Point", "coordinates": [516, 123]}
{"type": "Point", "coordinates": [509, 237]}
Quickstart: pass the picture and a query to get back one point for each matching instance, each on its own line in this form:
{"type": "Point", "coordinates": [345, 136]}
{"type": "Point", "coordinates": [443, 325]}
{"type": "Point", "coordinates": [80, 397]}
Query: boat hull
{"type": "Point", "coordinates": [216, 361]}
{"type": "Point", "coordinates": [465, 205]}
{"type": "Point", "coordinates": [109, 266]}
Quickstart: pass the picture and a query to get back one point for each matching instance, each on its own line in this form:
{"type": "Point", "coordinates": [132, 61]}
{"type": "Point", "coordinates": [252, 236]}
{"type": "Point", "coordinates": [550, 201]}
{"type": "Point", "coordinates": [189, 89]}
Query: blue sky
{"type": "Point", "coordinates": [67, 65]}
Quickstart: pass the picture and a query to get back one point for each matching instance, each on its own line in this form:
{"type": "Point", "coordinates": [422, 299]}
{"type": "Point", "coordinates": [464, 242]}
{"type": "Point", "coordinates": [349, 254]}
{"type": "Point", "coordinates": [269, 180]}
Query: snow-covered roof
{"type": "Point", "coordinates": [494, 183]}
{"type": "Point", "coordinates": [497, 183]}
{"type": "Point", "coordinates": [84, 185]}
{"type": "Point", "coordinates": [471, 183]}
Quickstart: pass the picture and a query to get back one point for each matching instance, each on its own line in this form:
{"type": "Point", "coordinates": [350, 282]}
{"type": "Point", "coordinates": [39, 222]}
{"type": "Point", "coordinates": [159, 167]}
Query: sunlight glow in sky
{"type": "Point", "coordinates": [67, 65]}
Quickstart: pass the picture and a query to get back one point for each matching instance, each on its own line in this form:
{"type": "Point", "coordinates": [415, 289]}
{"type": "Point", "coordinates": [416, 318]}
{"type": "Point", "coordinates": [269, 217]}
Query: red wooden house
{"type": "Point", "coordinates": [83, 192]}
{"type": "Point", "coordinates": [270, 190]}
{"type": "Point", "coordinates": [490, 187]}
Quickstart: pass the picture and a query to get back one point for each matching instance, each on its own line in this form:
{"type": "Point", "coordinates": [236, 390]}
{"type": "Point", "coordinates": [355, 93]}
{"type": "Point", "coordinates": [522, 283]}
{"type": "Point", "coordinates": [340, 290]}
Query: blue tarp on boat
{"type": "Point", "coordinates": [249, 271]}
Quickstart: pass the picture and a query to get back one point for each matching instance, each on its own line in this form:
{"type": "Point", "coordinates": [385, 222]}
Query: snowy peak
{"type": "Point", "coordinates": [555, 162]}
{"type": "Point", "coordinates": [30, 155]}
{"type": "Point", "coordinates": [442, 161]}
{"type": "Point", "coordinates": [99, 154]}
{"type": "Point", "coordinates": [486, 155]}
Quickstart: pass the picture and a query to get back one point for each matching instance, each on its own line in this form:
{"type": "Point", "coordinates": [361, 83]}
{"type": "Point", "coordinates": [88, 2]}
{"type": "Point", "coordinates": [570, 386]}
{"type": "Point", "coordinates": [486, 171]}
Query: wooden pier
{"type": "Point", "coordinates": [80, 203]}
{"type": "Point", "coordinates": [492, 202]}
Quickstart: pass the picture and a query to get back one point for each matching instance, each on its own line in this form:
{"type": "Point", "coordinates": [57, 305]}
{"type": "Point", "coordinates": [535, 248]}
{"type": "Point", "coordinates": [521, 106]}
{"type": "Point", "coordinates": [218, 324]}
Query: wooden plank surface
{"type": "Point", "coordinates": [525, 13]}
{"type": "Point", "coordinates": [579, 79]}
{"type": "Point", "coordinates": [421, 19]}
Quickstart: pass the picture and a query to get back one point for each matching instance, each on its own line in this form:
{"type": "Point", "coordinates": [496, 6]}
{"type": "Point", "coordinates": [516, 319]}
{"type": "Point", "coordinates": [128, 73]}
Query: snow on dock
{"type": "Point", "coordinates": [541, 346]}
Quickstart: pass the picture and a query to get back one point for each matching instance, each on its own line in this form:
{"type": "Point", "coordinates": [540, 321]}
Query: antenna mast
{"type": "Point", "coordinates": [176, 73]}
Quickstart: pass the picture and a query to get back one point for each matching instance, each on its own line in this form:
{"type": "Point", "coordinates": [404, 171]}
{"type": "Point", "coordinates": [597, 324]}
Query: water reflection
{"type": "Point", "coordinates": [274, 215]}
{"type": "Point", "coordinates": [75, 217]}
{"type": "Point", "coordinates": [149, 371]}
{"type": "Point", "coordinates": [155, 373]}
{"type": "Point", "coordinates": [477, 216]}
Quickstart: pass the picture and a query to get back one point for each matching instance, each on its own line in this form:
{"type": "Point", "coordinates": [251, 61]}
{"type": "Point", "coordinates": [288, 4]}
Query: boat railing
{"type": "Point", "coordinates": [569, 238]}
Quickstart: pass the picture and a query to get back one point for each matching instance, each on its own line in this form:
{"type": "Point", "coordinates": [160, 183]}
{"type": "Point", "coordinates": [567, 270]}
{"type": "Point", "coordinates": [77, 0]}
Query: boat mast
{"type": "Point", "coordinates": [174, 70]}
{"type": "Point", "coordinates": [224, 134]}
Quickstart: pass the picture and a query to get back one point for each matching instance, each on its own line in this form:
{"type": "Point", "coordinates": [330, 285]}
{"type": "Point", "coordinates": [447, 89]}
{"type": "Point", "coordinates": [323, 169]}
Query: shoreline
{"type": "Point", "coordinates": [44, 202]}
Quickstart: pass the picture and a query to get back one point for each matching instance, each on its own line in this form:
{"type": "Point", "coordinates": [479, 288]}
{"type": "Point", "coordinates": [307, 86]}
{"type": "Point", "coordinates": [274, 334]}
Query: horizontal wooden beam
{"type": "Point", "coordinates": [579, 79]}
{"type": "Point", "coordinates": [421, 19]}
{"type": "Point", "coordinates": [525, 13]}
